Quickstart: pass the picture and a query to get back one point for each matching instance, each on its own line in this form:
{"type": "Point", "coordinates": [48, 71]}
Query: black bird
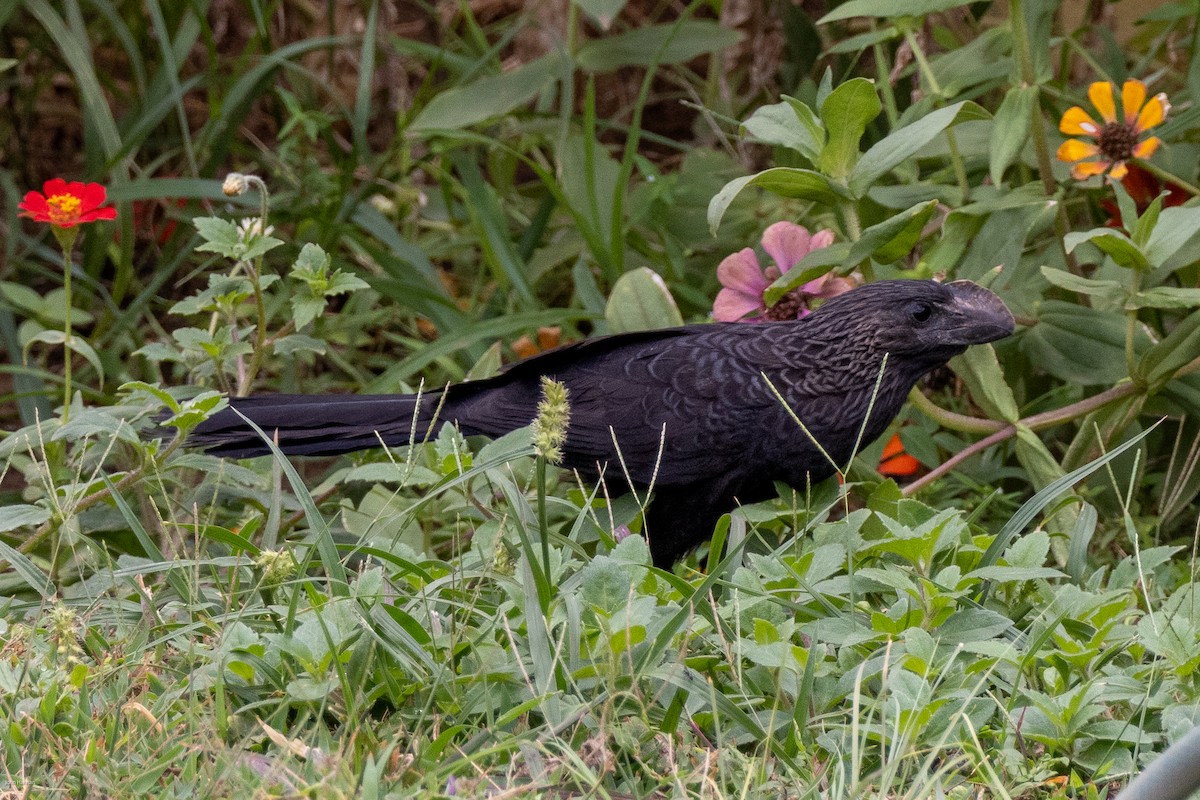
{"type": "Point", "coordinates": [699, 390]}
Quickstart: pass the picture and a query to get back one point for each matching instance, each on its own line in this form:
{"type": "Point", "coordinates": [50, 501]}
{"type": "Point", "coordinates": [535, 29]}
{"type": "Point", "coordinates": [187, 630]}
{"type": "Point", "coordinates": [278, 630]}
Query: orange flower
{"type": "Point", "coordinates": [1115, 141]}
{"type": "Point", "coordinates": [895, 463]}
{"type": "Point", "coordinates": [548, 338]}
{"type": "Point", "coordinates": [65, 205]}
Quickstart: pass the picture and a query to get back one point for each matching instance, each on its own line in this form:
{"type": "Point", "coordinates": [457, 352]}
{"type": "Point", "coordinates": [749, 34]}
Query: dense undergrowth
{"type": "Point", "coordinates": [435, 191]}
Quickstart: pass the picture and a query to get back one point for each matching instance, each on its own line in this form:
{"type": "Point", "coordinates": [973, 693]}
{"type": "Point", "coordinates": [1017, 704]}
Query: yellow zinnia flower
{"type": "Point", "coordinates": [1115, 141]}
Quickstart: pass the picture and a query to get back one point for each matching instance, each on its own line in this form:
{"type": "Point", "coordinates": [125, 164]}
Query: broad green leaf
{"type": "Point", "coordinates": [1040, 464]}
{"type": "Point", "coordinates": [846, 113]}
{"type": "Point", "coordinates": [980, 371]}
{"type": "Point", "coordinates": [889, 152]}
{"type": "Point", "coordinates": [298, 343]}
{"type": "Point", "coordinates": [1112, 291]}
{"type": "Point", "coordinates": [1112, 243]}
{"type": "Point", "coordinates": [1172, 242]}
{"type": "Point", "coordinates": [1010, 129]}
{"type": "Point", "coordinates": [157, 392]}
{"type": "Point", "coordinates": [1079, 344]}
{"type": "Point", "coordinates": [782, 124]}
{"type": "Point", "coordinates": [813, 265]}
{"type": "Point", "coordinates": [893, 238]}
{"type": "Point", "coordinates": [655, 44]}
{"type": "Point", "coordinates": [32, 575]}
{"type": "Point", "coordinates": [641, 301]}
{"type": "Point", "coordinates": [1143, 229]}
{"type": "Point", "coordinates": [889, 8]}
{"type": "Point", "coordinates": [1176, 349]}
{"type": "Point", "coordinates": [801, 184]}
{"type": "Point", "coordinates": [20, 515]}
{"type": "Point", "coordinates": [76, 343]}
{"type": "Point", "coordinates": [306, 309]}
{"type": "Point", "coordinates": [1165, 297]}
{"type": "Point", "coordinates": [491, 96]}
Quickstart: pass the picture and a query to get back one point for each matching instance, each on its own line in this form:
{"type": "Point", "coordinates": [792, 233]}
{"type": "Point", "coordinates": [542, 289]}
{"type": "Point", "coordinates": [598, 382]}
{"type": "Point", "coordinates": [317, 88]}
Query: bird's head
{"type": "Point", "coordinates": [924, 322]}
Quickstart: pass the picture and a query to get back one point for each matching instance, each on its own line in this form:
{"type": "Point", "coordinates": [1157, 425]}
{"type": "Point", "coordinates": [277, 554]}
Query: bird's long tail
{"type": "Point", "coordinates": [306, 424]}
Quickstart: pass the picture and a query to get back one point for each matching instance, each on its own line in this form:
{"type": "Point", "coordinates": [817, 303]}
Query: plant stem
{"type": "Point", "coordinates": [1047, 419]}
{"type": "Point", "coordinates": [544, 532]}
{"type": "Point", "coordinates": [1166, 177]}
{"type": "Point", "coordinates": [956, 161]}
{"type": "Point", "coordinates": [67, 353]}
{"type": "Point", "coordinates": [1037, 128]}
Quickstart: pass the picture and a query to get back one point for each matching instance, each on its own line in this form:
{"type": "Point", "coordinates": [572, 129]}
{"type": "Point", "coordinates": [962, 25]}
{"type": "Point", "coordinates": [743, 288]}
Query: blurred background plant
{"type": "Point", "coordinates": [432, 189]}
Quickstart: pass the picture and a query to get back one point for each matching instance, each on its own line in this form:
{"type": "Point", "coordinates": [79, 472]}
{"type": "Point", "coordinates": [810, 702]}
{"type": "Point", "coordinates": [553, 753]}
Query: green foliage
{"type": "Point", "coordinates": [459, 617]}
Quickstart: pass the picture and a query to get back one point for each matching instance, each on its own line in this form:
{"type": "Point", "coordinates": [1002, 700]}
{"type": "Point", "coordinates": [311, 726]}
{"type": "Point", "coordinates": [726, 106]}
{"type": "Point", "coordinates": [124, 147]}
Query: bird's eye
{"type": "Point", "coordinates": [921, 312]}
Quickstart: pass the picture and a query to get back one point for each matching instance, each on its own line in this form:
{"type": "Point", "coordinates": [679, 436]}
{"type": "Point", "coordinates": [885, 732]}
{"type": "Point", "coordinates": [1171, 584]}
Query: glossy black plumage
{"type": "Point", "coordinates": [698, 389]}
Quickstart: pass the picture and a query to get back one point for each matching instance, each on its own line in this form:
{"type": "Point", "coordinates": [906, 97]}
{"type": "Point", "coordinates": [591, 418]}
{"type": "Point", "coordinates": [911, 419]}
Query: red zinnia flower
{"type": "Point", "coordinates": [65, 205]}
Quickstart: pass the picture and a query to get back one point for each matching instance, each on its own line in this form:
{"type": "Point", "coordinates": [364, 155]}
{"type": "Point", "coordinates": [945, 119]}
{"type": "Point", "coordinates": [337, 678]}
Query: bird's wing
{"type": "Point", "coordinates": [674, 406]}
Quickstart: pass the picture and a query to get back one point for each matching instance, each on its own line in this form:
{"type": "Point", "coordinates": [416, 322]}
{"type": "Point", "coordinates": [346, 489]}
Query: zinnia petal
{"type": "Point", "coordinates": [741, 273]}
{"type": "Point", "coordinates": [1153, 113]}
{"type": "Point", "coordinates": [787, 243]}
{"type": "Point", "coordinates": [55, 186]}
{"type": "Point", "coordinates": [1076, 150]}
{"type": "Point", "coordinates": [99, 214]}
{"type": "Point", "coordinates": [34, 205]}
{"type": "Point", "coordinates": [1076, 122]}
{"type": "Point", "coordinates": [91, 196]}
{"type": "Point", "coordinates": [1118, 171]}
{"type": "Point", "coordinates": [1133, 94]}
{"type": "Point", "coordinates": [1101, 95]}
{"type": "Point", "coordinates": [732, 305]}
{"type": "Point", "coordinates": [1086, 169]}
{"type": "Point", "coordinates": [1146, 148]}
{"type": "Point", "coordinates": [820, 239]}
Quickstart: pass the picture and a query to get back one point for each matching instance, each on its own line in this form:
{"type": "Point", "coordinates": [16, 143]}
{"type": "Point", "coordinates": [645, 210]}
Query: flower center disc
{"type": "Point", "coordinates": [63, 207]}
{"type": "Point", "coordinates": [1117, 141]}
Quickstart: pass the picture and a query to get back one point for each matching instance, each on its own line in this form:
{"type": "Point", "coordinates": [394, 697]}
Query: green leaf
{"type": "Point", "coordinates": [889, 152]}
{"type": "Point", "coordinates": [1010, 130]}
{"type": "Point", "coordinates": [1112, 291]}
{"type": "Point", "coordinates": [1143, 229]}
{"type": "Point", "coordinates": [1165, 297]}
{"type": "Point", "coordinates": [641, 301]}
{"type": "Point", "coordinates": [605, 584]}
{"type": "Point", "coordinates": [312, 260]}
{"type": "Point", "coordinates": [488, 97]}
{"type": "Point", "coordinates": [801, 184]}
{"type": "Point", "coordinates": [298, 343]}
{"type": "Point", "coordinates": [846, 113]}
{"type": "Point", "coordinates": [894, 237]}
{"type": "Point", "coordinates": [655, 44]}
{"type": "Point", "coordinates": [980, 371]}
{"type": "Point", "coordinates": [785, 124]}
{"type": "Point", "coordinates": [1177, 348]}
{"type": "Point", "coordinates": [813, 265]}
{"type": "Point", "coordinates": [1112, 243]}
{"type": "Point", "coordinates": [20, 515]}
{"type": "Point", "coordinates": [76, 343]}
{"type": "Point", "coordinates": [1078, 344]}
{"type": "Point", "coordinates": [225, 238]}
{"type": "Point", "coordinates": [306, 309]}
{"type": "Point", "coordinates": [157, 392]}
{"type": "Point", "coordinates": [1172, 243]}
{"type": "Point", "coordinates": [889, 8]}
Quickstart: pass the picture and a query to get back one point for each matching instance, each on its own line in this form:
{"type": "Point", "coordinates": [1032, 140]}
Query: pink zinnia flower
{"type": "Point", "coordinates": [744, 280]}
